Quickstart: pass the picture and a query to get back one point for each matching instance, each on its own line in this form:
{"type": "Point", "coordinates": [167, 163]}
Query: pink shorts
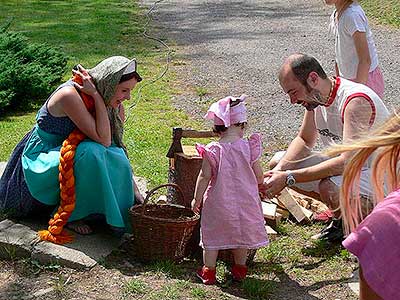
{"type": "Point", "coordinates": [375, 82]}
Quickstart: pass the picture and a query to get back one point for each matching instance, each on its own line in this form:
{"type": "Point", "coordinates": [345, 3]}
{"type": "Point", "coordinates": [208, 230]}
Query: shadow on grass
{"type": "Point", "coordinates": [264, 281]}
{"type": "Point", "coordinates": [17, 112]}
{"type": "Point", "coordinates": [288, 286]}
{"type": "Point", "coordinates": [322, 249]}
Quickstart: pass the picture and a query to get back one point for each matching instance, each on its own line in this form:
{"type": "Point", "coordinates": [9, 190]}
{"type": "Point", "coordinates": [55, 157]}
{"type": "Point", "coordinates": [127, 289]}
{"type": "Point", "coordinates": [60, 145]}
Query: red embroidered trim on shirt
{"type": "Point", "coordinates": [334, 92]}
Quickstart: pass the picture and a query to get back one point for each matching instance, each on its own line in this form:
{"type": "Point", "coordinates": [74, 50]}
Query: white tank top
{"type": "Point", "coordinates": [329, 119]}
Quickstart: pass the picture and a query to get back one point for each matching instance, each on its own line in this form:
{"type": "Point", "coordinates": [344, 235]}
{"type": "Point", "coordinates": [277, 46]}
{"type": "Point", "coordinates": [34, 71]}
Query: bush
{"type": "Point", "coordinates": [28, 72]}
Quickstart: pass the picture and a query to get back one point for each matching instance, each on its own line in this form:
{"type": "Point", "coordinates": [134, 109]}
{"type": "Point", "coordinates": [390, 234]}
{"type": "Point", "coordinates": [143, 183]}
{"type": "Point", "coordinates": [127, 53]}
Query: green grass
{"type": "Point", "coordinates": [135, 287]}
{"type": "Point", "coordinates": [384, 11]}
{"type": "Point", "coordinates": [257, 289]}
{"type": "Point", "coordinates": [165, 268]}
{"type": "Point", "coordinates": [88, 31]}
{"type": "Point", "coordinates": [199, 293]}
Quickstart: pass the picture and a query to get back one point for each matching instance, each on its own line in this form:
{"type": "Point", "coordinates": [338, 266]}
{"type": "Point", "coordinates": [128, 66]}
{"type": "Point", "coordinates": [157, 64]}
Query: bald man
{"type": "Point", "coordinates": [336, 110]}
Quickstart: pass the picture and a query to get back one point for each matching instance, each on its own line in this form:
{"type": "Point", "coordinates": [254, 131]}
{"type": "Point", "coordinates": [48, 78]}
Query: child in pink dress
{"type": "Point", "coordinates": [227, 190]}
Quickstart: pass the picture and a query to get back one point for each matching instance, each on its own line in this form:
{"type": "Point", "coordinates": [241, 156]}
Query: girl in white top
{"type": "Point", "coordinates": [356, 55]}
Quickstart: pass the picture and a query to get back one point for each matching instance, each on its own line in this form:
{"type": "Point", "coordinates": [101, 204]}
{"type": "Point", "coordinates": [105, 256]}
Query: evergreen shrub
{"type": "Point", "coordinates": [28, 71]}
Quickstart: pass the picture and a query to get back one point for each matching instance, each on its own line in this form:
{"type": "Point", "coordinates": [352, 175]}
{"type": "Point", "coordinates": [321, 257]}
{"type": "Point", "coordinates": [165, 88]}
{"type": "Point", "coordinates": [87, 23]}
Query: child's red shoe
{"type": "Point", "coordinates": [239, 272]}
{"type": "Point", "coordinates": [206, 275]}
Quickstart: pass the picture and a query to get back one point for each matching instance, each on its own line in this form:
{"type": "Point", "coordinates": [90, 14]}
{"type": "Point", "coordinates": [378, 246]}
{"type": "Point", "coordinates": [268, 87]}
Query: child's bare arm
{"type": "Point", "coordinates": [201, 185]}
{"type": "Point", "coordinates": [364, 59]}
{"type": "Point", "coordinates": [257, 169]}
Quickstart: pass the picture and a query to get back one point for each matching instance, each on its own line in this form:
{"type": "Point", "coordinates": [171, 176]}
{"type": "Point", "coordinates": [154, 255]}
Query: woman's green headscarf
{"type": "Point", "coordinates": [106, 76]}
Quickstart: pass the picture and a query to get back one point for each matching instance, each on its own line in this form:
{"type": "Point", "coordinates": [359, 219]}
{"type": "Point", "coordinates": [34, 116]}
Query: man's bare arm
{"type": "Point", "coordinates": [302, 144]}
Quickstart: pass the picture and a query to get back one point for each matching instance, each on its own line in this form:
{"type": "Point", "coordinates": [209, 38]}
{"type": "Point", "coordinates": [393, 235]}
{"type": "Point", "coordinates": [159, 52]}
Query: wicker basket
{"type": "Point", "coordinates": [161, 231]}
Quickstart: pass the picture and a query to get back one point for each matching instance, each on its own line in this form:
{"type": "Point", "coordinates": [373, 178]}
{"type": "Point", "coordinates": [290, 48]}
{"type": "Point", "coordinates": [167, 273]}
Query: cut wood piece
{"type": "Point", "coordinates": [314, 205]}
{"type": "Point", "coordinates": [269, 210]}
{"type": "Point", "coordinates": [307, 212]}
{"type": "Point", "coordinates": [272, 234]}
{"type": "Point", "coordinates": [277, 202]}
{"type": "Point", "coordinates": [292, 206]}
{"type": "Point", "coordinates": [190, 151]}
{"type": "Point", "coordinates": [274, 223]}
{"type": "Point", "coordinates": [278, 218]}
{"type": "Point", "coordinates": [284, 212]}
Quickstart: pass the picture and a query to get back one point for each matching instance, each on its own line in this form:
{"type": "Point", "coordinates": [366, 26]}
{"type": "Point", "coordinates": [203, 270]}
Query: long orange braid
{"type": "Point", "coordinates": [56, 233]}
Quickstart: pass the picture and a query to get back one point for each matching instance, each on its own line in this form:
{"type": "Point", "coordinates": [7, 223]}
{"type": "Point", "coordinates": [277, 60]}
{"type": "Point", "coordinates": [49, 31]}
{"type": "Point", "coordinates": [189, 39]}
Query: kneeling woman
{"type": "Point", "coordinates": [77, 151]}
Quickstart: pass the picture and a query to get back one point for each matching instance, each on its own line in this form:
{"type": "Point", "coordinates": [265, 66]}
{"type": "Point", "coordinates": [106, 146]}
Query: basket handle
{"type": "Point", "coordinates": [151, 192]}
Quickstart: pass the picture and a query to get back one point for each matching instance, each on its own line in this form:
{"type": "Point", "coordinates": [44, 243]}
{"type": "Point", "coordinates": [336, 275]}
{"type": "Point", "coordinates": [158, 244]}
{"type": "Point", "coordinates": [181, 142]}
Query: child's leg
{"type": "Point", "coordinates": [240, 256]}
{"type": "Point", "coordinates": [210, 258]}
{"type": "Point", "coordinates": [207, 273]}
{"type": "Point", "coordinates": [239, 269]}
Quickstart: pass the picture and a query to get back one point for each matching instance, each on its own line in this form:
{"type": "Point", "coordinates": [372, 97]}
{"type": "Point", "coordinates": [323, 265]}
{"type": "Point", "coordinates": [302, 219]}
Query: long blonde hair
{"type": "Point", "coordinates": [384, 143]}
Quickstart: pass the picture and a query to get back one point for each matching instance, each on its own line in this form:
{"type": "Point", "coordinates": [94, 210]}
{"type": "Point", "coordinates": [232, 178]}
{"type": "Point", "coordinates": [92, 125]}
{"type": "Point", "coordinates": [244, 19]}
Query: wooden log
{"type": "Point", "coordinates": [284, 212]}
{"type": "Point", "coordinates": [292, 206]}
{"type": "Point", "coordinates": [190, 151]}
{"type": "Point", "coordinates": [272, 234]}
{"type": "Point", "coordinates": [308, 213]}
{"type": "Point", "coordinates": [269, 210]}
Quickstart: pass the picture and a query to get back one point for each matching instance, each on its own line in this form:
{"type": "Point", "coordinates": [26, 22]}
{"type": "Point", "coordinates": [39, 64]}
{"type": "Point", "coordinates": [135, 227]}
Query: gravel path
{"type": "Point", "coordinates": [228, 47]}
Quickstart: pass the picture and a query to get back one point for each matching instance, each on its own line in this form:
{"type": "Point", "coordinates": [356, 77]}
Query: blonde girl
{"type": "Point", "coordinates": [375, 240]}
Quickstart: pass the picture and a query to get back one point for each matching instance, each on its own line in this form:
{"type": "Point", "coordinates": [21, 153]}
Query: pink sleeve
{"type": "Point", "coordinates": [207, 153]}
{"type": "Point", "coordinates": [375, 242]}
{"type": "Point", "coordinates": [256, 149]}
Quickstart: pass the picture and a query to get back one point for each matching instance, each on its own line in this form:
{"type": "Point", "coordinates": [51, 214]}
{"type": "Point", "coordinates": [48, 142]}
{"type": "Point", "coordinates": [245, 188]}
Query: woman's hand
{"type": "Point", "coordinates": [87, 86]}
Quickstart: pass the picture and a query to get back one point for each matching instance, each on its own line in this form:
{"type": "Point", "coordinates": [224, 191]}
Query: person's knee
{"type": "Point", "coordinates": [272, 163]}
{"type": "Point", "coordinates": [329, 193]}
{"type": "Point", "coordinates": [89, 150]}
{"type": "Point", "coordinates": [275, 159]}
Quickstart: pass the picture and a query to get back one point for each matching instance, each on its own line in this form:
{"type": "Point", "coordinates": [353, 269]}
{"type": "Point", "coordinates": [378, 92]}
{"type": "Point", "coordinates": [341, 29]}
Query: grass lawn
{"type": "Point", "coordinates": [385, 12]}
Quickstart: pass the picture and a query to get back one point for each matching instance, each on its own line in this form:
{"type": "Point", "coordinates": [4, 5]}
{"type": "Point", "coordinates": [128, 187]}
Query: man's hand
{"type": "Point", "coordinates": [262, 191]}
{"type": "Point", "coordinates": [274, 183]}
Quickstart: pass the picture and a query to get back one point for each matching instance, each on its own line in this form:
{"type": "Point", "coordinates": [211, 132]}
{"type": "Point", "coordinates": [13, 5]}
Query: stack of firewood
{"type": "Point", "coordinates": [289, 204]}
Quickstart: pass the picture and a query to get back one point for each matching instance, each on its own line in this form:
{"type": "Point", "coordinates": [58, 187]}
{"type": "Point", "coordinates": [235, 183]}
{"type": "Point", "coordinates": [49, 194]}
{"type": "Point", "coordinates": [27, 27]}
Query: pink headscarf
{"type": "Point", "coordinates": [223, 114]}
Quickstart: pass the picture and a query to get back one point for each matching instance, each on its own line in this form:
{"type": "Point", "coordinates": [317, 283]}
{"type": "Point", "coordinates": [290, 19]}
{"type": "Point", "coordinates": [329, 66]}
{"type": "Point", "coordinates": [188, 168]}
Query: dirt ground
{"type": "Point", "coordinates": [290, 268]}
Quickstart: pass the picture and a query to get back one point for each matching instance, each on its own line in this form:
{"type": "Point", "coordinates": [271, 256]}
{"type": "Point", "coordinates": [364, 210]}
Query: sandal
{"type": "Point", "coordinates": [79, 227]}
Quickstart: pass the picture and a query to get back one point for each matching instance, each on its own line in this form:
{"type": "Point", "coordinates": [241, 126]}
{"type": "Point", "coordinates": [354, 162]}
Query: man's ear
{"type": "Point", "coordinates": [312, 79]}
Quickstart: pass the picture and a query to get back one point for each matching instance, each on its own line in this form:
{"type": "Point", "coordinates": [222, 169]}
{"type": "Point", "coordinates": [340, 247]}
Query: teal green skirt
{"type": "Point", "coordinates": [103, 177]}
